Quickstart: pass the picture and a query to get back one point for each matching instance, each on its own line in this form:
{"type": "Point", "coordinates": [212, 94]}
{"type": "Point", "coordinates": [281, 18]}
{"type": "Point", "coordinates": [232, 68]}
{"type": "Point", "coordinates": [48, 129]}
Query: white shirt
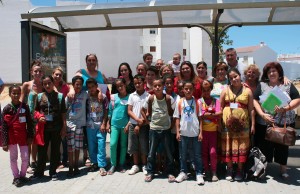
{"type": "Point", "coordinates": [137, 102]}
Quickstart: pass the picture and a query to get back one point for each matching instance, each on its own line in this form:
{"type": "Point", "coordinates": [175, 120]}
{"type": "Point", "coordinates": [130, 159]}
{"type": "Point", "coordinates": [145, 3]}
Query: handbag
{"type": "Point", "coordinates": [281, 135]}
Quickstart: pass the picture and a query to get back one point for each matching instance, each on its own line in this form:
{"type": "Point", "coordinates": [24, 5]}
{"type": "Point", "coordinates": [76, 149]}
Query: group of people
{"type": "Point", "coordinates": [167, 115]}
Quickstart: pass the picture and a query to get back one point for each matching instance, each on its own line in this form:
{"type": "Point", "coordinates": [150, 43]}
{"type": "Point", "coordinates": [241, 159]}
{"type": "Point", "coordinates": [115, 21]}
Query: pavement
{"type": "Point", "coordinates": [118, 183]}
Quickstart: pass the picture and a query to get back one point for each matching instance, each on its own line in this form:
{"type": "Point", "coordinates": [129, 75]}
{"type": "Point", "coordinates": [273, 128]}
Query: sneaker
{"type": "Point", "coordinates": [214, 178]}
{"type": "Point", "coordinates": [238, 176]}
{"type": "Point", "coordinates": [144, 168]}
{"type": "Point", "coordinates": [229, 174]}
{"type": "Point", "coordinates": [200, 180]}
{"type": "Point", "coordinates": [135, 169]}
{"type": "Point", "coordinates": [54, 177]}
{"type": "Point", "coordinates": [181, 177]}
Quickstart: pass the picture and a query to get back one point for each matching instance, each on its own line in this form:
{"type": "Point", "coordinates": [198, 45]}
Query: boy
{"type": "Point", "coordinates": [151, 75]}
{"type": "Point", "coordinates": [138, 136]}
{"type": "Point", "coordinates": [187, 125]}
{"type": "Point", "coordinates": [159, 108]}
{"type": "Point", "coordinates": [76, 121]}
{"type": "Point", "coordinates": [148, 59]}
{"type": "Point", "coordinates": [96, 127]}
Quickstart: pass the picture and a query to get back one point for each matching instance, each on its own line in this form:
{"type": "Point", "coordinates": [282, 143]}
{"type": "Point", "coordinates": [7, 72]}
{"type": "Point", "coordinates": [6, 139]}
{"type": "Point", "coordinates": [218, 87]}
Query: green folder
{"type": "Point", "coordinates": [270, 103]}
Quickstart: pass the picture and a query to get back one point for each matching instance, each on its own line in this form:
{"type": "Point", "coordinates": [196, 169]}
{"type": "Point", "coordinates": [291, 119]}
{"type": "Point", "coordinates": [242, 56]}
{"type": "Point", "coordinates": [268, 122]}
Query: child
{"type": "Point", "coordinates": [76, 121]}
{"type": "Point", "coordinates": [138, 135]}
{"type": "Point", "coordinates": [210, 120]}
{"type": "Point", "coordinates": [151, 75]}
{"type": "Point", "coordinates": [148, 59]}
{"type": "Point", "coordinates": [117, 125]}
{"type": "Point", "coordinates": [187, 125]}
{"type": "Point", "coordinates": [176, 64]}
{"type": "Point", "coordinates": [159, 109]}
{"type": "Point", "coordinates": [17, 131]}
{"type": "Point", "coordinates": [50, 110]}
{"type": "Point", "coordinates": [96, 127]}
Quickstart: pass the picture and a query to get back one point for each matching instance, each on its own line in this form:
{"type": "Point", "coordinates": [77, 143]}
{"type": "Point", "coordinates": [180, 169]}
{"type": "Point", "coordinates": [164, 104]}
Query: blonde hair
{"type": "Point", "coordinates": [59, 68]}
{"type": "Point", "coordinates": [255, 68]}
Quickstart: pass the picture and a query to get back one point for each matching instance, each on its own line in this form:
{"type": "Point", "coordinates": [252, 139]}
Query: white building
{"type": "Point", "coordinates": [111, 47]}
{"type": "Point", "coordinates": [258, 54]}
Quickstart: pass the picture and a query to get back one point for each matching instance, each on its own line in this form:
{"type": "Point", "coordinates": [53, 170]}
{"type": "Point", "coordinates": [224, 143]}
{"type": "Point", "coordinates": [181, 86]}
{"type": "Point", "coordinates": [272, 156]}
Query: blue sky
{"type": "Point", "coordinates": [282, 39]}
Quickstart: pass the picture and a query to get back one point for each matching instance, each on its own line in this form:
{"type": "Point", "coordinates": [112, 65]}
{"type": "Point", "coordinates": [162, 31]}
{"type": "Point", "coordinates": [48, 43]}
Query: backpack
{"type": "Point", "coordinates": [60, 97]}
{"type": "Point", "coordinates": [256, 164]}
{"type": "Point", "coordinates": [168, 101]}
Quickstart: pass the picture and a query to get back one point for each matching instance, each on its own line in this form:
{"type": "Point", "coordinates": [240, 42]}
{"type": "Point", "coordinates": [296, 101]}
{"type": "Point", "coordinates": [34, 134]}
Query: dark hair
{"type": "Point", "coordinates": [48, 76]}
{"type": "Point", "coordinates": [180, 82]}
{"type": "Point", "coordinates": [75, 78]}
{"type": "Point", "coordinates": [268, 66]}
{"type": "Point", "coordinates": [153, 69]}
{"type": "Point", "coordinates": [121, 80]}
{"type": "Point", "coordinates": [147, 55]}
{"type": "Point", "coordinates": [87, 56]}
{"type": "Point", "coordinates": [201, 63]}
{"type": "Point", "coordinates": [137, 76]}
{"type": "Point", "coordinates": [91, 81]}
{"type": "Point", "coordinates": [36, 63]}
{"type": "Point", "coordinates": [230, 49]}
{"type": "Point", "coordinates": [129, 69]}
{"type": "Point", "coordinates": [12, 87]}
{"type": "Point", "coordinates": [188, 82]}
{"type": "Point", "coordinates": [168, 76]}
{"type": "Point", "coordinates": [220, 64]}
{"type": "Point", "coordinates": [188, 63]}
{"type": "Point", "coordinates": [209, 82]}
{"type": "Point", "coordinates": [234, 69]}
{"type": "Point", "coordinates": [159, 79]}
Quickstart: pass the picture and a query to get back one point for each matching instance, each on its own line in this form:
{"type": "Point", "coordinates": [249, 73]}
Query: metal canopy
{"type": "Point", "coordinates": [169, 13]}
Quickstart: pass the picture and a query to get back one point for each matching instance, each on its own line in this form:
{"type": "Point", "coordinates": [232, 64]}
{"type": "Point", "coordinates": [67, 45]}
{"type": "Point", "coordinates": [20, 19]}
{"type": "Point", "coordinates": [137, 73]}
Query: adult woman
{"type": "Point", "coordinates": [220, 81]}
{"type": "Point", "coordinates": [201, 69]}
{"type": "Point", "coordinates": [252, 75]}
{"type": "Point", "coordinates": [62, 87]}
{"type": "Point", "coordinates": [187, 73]}
{"type": "Point", "coordinates": [166, 69]}
{"type": "Point", "coordinates": [273, 76]}
{"type": "Point", "coordinates": [236, 101]}
{"type": "Point", "coordinates": [126, 73]}
{"type": "Point", "coordinates": [29, 93]}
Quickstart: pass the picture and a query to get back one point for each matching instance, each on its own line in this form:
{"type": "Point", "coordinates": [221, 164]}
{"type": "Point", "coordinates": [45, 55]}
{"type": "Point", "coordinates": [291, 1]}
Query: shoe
{"type": "Point", "coordinates": [144, 168]}
{"type": "Point", "coordinates": [54, 177]}
{"type": "Point", "coordinates": [228, 176]}
{"type": "Point", "coordinates": [24, 179]}
{"type": "Point", "coordinates": [29, 170]}
{"type": "Point", "coordinates": [181, 177]}
{"type": "Point", "coordinates": [149, 178]}
{"type": "Point", "coordinates": [17, 182]}
{"type": "Point", "coordinates": [94, 168]}
{"type": "Point", "coordinates": [122, 169]}
{"type": "Point", "coordinates": [33, 165]}
{"type": "Point", "coordinates": [102, 172]}
{"type": "Point", "coordinates": [238, 176]}
{"type": "Point", "coordinates": [111, 170]}
{"type": "Point", "coordinates": [134, 169]}
{"type": "Point", "coordinates": [285, 175]}
{"type": "Point", "coordinates": [200, 180]}
{"type": "Point", "coordinates": [76, 171]}
{"type": "Point", "coordinates": [214, 177]}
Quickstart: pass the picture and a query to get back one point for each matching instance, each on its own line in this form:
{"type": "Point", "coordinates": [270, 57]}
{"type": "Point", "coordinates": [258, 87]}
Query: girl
{"type": "Point", "coordinates": [17, 130]}
{"type": "Point", "coordinates": [118, 125]}
{"type": "Point", "coordinates": [50, 110]}
{"type": "Point", "coordinates": [29, 93]}
{"type": "Point", "coordinates": [210, 120]}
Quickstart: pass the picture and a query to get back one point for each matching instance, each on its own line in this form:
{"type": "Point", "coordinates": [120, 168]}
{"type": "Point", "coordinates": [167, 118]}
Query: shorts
{"type": "Point", "coordinates": [75, 138]}
{"type": "Point", "coordinates": [136, 141]}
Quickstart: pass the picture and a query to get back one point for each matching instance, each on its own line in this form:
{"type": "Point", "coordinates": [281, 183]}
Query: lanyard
{"type": "Point", "coordinates": [188, 109]}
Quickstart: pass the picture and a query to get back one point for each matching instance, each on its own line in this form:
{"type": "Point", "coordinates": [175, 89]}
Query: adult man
{"type": "Point", "coordinates": [232, 62]}
{"type": "Point", "coordinates": [159, 63]}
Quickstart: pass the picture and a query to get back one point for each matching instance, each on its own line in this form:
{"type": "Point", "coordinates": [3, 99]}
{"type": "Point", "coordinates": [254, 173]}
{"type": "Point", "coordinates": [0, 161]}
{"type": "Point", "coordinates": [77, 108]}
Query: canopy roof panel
{"type": "Point", "coordinates": [169, 13]}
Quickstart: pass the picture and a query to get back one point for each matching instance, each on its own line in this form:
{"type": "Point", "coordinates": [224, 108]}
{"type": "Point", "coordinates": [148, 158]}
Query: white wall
{"type": "Point", "coordinates": [10, 39]}
{"type": "Point", "coordinates": [171, 42]}
{"type": "Point", "coordinates": [264, 55]}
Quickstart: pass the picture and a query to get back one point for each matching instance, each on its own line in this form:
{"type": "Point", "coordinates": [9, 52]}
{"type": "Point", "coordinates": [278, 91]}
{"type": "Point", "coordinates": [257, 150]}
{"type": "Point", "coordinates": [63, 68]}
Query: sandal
{"type": "Point", "coordinates": [122, 169]}
{"type": "Point", "coordinates": [102, 172]}
{"type": "Point", "coordinates": [111, 170]}
{"type": "Point", "coordinates": [93, 168]}
{"type": "Point", "coordinates": [148, 178]}
{"type": "Point", "coordinates": [171, 178]}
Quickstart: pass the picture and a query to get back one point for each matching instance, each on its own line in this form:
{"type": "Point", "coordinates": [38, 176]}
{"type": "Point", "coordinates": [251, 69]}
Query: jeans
{"type": "Point", "coordinates": [155, 137]}
{"type": "Point", "coordinates": [183, 151]}
{"type": "Point", "coordinates": [96, 146]}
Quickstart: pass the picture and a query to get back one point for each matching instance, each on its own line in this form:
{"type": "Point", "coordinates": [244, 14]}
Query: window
{"type": "Point", "coordinates": [152, 31]}
{"type": "Point", "coordinates": [184, 52]}
{"type": "Point", "coordinates": [152, 49]}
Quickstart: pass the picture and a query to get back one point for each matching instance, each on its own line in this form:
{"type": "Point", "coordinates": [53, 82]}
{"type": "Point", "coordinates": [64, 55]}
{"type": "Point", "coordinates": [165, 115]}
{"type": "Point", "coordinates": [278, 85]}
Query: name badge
{"type": "Point", "coordinates": [124, 102]}
{"type": "Point", "coordinates": [49, 117]}
{"type": "Point", "coordinates": [93, 115]}
{"type": "Point", "coordinates": [22, 119]}
{"type": "Point", "coordinates": [187, 118]}
{"type": "Point", "coordinates": [234, 105]}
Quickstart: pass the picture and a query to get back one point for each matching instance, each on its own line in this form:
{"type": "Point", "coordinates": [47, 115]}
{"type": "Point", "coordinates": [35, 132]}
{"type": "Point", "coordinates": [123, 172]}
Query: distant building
{"type": "Point", "coordinates": [259, 54]}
